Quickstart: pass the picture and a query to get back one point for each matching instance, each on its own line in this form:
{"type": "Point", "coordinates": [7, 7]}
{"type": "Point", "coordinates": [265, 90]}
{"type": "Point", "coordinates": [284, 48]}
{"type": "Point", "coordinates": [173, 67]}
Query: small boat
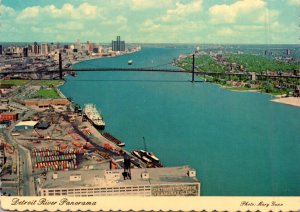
{"type": "Point", "coordinates": [137, 154]}
{"type": "Point", "coordinates": [145, 159]}
{"type": "Point", "coordinates": [130, 62]}
{"type": "Point", "coordinates": [152, 156]}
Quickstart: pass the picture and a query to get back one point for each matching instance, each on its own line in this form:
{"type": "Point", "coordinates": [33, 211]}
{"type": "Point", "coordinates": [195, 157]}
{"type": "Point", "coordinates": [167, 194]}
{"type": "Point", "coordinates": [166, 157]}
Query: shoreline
{"type": "Point", "coordinates": [100, 57]}
{"type": "Point", "coordinates": [282, 99]}
{"type": "Point", "coordinates": [239, 90]}
{"type": "Point", "coordinates": [292, 101]}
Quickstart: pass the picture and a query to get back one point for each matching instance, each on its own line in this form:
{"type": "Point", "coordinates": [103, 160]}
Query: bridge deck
{"type": "Point", "coordinates": [208, 73]}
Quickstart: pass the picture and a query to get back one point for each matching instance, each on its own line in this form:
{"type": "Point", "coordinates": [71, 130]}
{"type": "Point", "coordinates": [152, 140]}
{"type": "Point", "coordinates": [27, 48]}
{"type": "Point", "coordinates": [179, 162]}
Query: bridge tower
{"type": "Point", "coordinates": [193, 69]}
{"type": "Point", "coordinates": [60, 66]}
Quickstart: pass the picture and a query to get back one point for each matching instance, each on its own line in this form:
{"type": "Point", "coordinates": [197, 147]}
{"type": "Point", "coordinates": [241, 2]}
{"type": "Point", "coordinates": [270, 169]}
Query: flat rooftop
{"type": "Point", "coordinates": [99, 178]}
{"type": "Point", "coordinates": [27, 123]}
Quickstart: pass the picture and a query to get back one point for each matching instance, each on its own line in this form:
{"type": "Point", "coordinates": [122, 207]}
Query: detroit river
{"type": "Point", "coordinates": [239, 143]}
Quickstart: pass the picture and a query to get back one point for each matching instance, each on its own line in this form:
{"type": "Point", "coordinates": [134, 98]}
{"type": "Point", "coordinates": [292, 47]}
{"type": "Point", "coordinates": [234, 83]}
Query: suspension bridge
{"type": "Point", "coordinates": [61, 71]}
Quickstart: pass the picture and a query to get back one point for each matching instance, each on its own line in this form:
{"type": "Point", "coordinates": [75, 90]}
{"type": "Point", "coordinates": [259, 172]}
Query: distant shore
{"type": "Point", "coordinates": [86, 58]}
{"type": "Point", "coordinates": [294, 101]}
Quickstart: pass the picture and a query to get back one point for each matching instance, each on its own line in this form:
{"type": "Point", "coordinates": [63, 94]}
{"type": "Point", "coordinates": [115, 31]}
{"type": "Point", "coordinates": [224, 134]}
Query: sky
{"type": "Point", "coordinates": [151, 21]}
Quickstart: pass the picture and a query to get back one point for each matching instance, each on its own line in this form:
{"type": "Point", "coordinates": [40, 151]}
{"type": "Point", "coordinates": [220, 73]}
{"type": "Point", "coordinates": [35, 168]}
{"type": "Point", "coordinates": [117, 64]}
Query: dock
{"type": "Point", "coordinates": [113, 139]}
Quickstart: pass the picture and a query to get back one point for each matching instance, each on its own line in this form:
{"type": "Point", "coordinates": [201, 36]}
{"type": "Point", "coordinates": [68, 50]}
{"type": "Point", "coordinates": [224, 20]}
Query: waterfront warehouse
{"type": "Point", "coordinates": [167, 181]}
{"type": "Point", "coordinates": [25, 125]}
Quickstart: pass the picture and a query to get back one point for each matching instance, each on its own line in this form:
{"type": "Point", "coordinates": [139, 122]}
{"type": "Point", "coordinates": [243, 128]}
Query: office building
{"type": "Point", "coordinates": [53, 47]}
{"type": "Point", "coordinates": [0, 49]}
{"type": "Point", "coordinates": [36, 48]}
{"type": "Point", "coordinates": [118, 45]}
{"type": "Point", "coordinates": [166, 181]}
{"type": "Point", "coordinates": [44, 48]}
{"type": "Point", "coordinates": [77, 45]}
{"type": "Point", "coordinates": [25, 52]}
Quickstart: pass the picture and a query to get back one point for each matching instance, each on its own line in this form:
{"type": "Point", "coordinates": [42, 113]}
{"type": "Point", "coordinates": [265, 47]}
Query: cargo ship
{"type": "Point", "coordinates": [94, 116]}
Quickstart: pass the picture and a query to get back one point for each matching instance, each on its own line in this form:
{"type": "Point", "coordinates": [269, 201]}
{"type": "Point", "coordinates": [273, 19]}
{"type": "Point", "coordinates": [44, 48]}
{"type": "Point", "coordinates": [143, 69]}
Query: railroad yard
{"type": "Point", "coordinates": [49, 135]}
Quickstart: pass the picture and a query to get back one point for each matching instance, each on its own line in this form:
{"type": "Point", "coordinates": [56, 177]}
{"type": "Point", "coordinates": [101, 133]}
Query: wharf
{"type": "Point", "coordinates": [99, 141]}
{"type": "Point", "coordinates": [113, 139]}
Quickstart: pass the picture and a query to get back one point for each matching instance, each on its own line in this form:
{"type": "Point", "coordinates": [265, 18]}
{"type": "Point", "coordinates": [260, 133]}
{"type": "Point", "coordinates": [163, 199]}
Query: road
{"type": "Point", "coordinates": [27, 178]}
{"type": "Point", "coordinates": [24, 169]}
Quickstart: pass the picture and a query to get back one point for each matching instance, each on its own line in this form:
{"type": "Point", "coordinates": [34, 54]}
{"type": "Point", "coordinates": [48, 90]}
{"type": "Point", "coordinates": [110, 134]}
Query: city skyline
{"type": "Point", "coordinates": [138, 21]}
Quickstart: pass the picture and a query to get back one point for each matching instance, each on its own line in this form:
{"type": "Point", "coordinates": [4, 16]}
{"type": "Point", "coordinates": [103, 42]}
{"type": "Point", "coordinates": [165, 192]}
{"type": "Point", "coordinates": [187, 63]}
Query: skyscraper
{"type": "Point", "coordinates": [44, 48]}
{"type": "Point", "coordinates": [25, 52]}
{"type": "Point", "coordinates": [0, 49]}
{"type": "Point", "coordinates": [118, 45]}
{"type": "Point", "coordinates": [77, 45]}
{"type": "Point", "coordinates": [35, 48]}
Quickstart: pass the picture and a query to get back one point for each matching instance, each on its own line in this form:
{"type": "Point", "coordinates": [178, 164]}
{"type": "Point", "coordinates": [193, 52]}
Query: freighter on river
{"type": "Point", "coordinates": [94, 116]}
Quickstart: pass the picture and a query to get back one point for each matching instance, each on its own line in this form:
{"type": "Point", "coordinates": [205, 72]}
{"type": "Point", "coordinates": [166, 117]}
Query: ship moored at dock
{"type": "Point", "coordinates": [94, 116]}
{"type": "Point", "coordinates": [113, 139]}
{"type": "Point", "coordinates": [147, 157]}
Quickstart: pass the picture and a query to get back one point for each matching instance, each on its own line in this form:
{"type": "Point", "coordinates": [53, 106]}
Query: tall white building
{"type": "Point", "coordinates": [77, 45]}
{"type": "Point", "coordinates": [44, 48]}
{"type": "Point", "coordinates": [166, 181]}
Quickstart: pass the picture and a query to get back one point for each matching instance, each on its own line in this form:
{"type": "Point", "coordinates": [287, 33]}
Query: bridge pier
{"type": "Point", "coordinates": [60, 66]}
{"type": "Point", "coordinates": [193, 69]}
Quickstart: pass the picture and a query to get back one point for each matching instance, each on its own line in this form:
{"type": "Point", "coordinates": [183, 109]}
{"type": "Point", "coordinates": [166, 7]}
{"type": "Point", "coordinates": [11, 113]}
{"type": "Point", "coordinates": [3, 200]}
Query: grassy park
{"type": "Point", "coordinates": [49, 93]}
{"type": "Point", "coordinates": [256, 63]}
{"type": "Point", "coordinates": [14, 82]}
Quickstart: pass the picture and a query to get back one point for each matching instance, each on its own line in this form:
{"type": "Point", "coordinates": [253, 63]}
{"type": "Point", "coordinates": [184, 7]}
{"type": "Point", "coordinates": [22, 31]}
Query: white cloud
{"type": "Point", "coordinates": [148, 4]}
{"type": "Point", "coordinates": [116, 21]}
{"type": "Point", "coordinates": [182, 10]}
{"type": "Point", "coordinates": [6, 11]}
{"type": "Point", "coordinates": [83, 11]}
{"type": "Point", "coordinates": [168, 32]}
{"type": "Point", "coordinates": [70, 25]}
{"type": "Point", "coordinates": [294, 2]}
{"type": "Point", "coordinates": [151, 21]}
{"type": "Point", "coordinates": [150, 26]}
{"type": "Point", "coordinates": [267, 16]}
{"type": "Point", "coordinates": [45, 30]}
{"type": "Point", "coordinates": [121, 20]}
{"type": "Point", "coordinates": [29, 12]}
{"type": "Point", "coordinates": [225, 31]}
{"type": "Point", "coordinates": [86, 9]}
{"type": "Point", "coordinates": [224, 13]}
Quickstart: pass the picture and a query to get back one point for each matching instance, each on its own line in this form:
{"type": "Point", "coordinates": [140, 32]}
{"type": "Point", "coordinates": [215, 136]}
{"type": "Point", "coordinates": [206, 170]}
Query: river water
{"type": "Point", "coordinates": [240, 143]}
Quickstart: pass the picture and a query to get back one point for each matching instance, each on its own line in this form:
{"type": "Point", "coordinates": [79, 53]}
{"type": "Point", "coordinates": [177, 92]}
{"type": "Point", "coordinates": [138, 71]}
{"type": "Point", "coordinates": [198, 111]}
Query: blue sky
{"type": "Point", "coordinates": [151, 21]}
